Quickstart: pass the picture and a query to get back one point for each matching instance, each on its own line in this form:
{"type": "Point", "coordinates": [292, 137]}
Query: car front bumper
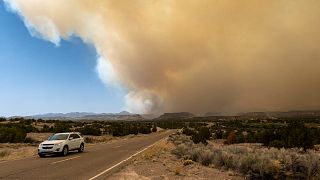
{"type": "Point", "coordinates": [53, 150]}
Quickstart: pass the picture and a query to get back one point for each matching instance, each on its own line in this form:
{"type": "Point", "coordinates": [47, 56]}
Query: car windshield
{"type": "Point", "coordinates": [59, 137]}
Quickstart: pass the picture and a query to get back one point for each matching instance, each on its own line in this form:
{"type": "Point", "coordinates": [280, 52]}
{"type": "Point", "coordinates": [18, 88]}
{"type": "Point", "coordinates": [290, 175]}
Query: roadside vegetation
{"type": "Point", "coordinates": [292, 134]}
{"type": "Point", "coordinates": [254, 162]}
{"type": "Point", "coordinates": [15, 130]}
{"type": "Point", "coordinates": [285, 132]}
{"type": "Point", "coordinates": [259, 147]}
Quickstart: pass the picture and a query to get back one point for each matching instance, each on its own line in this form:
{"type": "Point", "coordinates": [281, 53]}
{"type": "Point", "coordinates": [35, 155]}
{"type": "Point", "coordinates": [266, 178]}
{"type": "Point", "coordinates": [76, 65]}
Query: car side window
{"type": "Point", "coordinates": [72, 136]}
{"type": "Point", "coordinates": [76, 136]}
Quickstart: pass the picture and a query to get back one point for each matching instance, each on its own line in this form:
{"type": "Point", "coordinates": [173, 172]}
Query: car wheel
{"type": "Point", "coordinates": [81, 149]}
{"type": "Point", "coordinates": [65, 151]}
{"type": "Point", "coordinates": [41, 155]}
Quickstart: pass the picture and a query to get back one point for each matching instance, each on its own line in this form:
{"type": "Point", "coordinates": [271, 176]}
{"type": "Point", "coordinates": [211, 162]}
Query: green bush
{"type": "Point", "coordinates": [154, 129]}
{"type": "Point", "coordinates": [12, 135]}
{"type": "Point", "coordinates": [90, 130]}
{"type": "Point", "coordinates": [60, 127]}
{"type": "Point", "coordinates": [144, 129]}
{"type": "Point", "coordinates": [294, 135]}
{"type": "Point", "coordinates": [30, 140]}
{"type": "Point", "coordinates": [188, 131]}
{"type": "Point", "coordinates": [202, 136]}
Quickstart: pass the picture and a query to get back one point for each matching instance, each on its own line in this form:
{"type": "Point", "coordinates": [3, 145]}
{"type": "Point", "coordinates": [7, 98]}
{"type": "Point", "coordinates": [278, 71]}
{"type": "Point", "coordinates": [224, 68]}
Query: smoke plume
{"type": "Point", "coordinates": [191, 55]}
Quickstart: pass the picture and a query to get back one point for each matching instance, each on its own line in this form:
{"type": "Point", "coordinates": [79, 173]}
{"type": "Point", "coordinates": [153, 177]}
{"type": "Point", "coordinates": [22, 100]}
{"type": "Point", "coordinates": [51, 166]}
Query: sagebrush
{"type": "Point", "coordinates": [262, 163]}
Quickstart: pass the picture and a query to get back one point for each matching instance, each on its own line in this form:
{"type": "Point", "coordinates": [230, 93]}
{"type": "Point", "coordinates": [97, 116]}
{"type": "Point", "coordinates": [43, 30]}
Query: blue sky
{"type": "Point", "coordinates": [38, 77]}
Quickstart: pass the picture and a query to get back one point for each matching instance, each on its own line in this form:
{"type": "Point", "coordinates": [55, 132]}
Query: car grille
{"type": "Point", "coordinates": [48, 144]}
{"type": "Point", "coordinates": [48, 147]}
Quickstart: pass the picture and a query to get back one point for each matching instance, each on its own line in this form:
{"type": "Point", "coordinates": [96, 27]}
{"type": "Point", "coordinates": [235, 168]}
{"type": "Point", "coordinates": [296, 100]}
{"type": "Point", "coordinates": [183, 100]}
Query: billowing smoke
{"type": "Point", "coordinates": [191, 55]}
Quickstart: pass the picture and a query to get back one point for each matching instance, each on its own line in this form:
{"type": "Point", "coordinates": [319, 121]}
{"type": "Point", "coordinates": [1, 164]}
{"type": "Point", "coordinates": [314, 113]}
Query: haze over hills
{"type": "Point", "coordinates": [177, 115]}
{"type": "Point", "coordinates": [123, 115]}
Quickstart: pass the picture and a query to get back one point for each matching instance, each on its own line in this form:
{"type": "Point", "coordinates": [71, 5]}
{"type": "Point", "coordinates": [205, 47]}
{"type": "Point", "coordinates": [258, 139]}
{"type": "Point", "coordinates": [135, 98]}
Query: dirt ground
{"type": "Point", "coordinates": [13, 151]}
{"type": "Point", "coordinates": [157, 163]}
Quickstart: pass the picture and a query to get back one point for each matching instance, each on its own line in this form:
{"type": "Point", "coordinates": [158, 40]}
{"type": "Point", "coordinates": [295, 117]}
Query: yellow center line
{"type": "Point", "coordinates": [65, 160]}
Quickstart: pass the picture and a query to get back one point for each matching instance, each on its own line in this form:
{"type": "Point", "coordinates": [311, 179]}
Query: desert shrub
{"type": "Point", "coordinates": [88, 140]}
{"type": "Point", "coordinates": [277, 144]}
{"type": "Point", "coordinates": [188, 131]}
{"type": "Point", "coordinates": [46, 129]}
{"type": "Point", "coordinates": [264, 163]}
{"type": "Point", "coordinates": [187, 162]}
{"type": "Point", "coordinates": [90, 130]}
{"type": "Point", "coordinates": [144, 129]}
{"type": "Point", "coordinates": [154, 129]}
{"type": "Point", "coordinates": [30, 140]}
{"type": "Point", "coordinates": [232, 138]}
{"type": "Point", "coordinates": [134, 130]}
{"type": "Point", "coordinates": [4, 152]}
{"type": "Point", "coordinates": [202, 136]}
{"type": "Point", "coordinates": [218, 134]}
{"type": "Point", "coordinates": [2, 119]}
{"type": "Point", "coordinates": [12, 135]}
{"type": "Point", "coordinates": [60, 127]}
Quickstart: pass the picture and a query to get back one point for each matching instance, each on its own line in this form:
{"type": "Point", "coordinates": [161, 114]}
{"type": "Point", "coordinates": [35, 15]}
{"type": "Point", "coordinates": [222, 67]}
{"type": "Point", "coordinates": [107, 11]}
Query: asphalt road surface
{"type": "Point", "coordinates": [96, 162]}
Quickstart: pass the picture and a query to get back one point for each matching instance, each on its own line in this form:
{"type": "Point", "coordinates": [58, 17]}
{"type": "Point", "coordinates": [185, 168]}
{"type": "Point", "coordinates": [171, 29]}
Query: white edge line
{"type": "Point", "coordinates": [65, 160]}
{"type": "Point", "coordinates": [94, 177]}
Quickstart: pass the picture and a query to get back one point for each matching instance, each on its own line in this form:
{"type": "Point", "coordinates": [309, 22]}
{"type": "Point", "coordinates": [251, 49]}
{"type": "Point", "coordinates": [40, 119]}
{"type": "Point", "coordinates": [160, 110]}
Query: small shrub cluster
{"type": "Point", "coordinates": [261, 163]}
{"type": "Point", "coordinates": [2, 119]}
{"type": "Point", "coordinates": [89, 140]}
{"type": "Point", "coordinates": [4, 152]}
{"type": "Point", "coordinates": [154, 129]}
{"type": "Point", "coordinates": [90, 130]}
{"type": "Point", "coordinates": [201, 135]}
{"type": "Point", "coordinates": [126, 128]}
{"type": "Point", "coordinates": [12, 135]}
{"type": "Point", "coordinates": [62, 126]}
{"type": "Point", "coordinates": [30, 140]}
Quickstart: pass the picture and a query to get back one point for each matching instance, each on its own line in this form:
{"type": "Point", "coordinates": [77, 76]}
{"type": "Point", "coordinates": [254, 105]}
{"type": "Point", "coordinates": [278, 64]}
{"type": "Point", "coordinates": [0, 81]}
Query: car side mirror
{"type": "Point", "coordinates": [49, 137]}
{"type": "Point", "coordinates": [70, 138]}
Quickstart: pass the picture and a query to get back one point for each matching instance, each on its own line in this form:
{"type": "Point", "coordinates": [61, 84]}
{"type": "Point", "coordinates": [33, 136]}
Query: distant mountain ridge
{"type": "Point", "coordinates": [123, 115]}
{"type": "Point", "coordinates": [176, 115]}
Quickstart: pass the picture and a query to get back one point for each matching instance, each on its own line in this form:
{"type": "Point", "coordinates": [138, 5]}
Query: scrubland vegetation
{"type": "Point", "coordinates": [292, 134]}
{"type": "Point", "coordinates": [260, 148]}
{"type": "Point", "coordinates": [15, 130]}
{"type": "Point", "coordinates": [255, 162]}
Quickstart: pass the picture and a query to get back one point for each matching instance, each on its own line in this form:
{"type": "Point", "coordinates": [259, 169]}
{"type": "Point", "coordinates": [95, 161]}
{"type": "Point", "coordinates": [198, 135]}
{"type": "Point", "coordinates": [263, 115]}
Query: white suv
{"type": "Point", "coordinates": [61, 143]}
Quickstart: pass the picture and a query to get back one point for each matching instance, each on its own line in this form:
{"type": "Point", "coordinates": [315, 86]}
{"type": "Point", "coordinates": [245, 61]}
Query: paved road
{"type": "Point", "coordinates": [90, 164]}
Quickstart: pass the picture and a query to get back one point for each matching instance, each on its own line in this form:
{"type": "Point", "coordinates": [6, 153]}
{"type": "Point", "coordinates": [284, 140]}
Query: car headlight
{"type": "Point", "coordinates": [40, 145]}
{"type": "Point", "coordinates": [59, 144]}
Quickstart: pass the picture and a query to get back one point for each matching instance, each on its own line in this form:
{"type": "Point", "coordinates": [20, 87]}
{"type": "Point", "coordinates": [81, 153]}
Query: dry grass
{"type": "Point", "coordinates": [255, 162]}
{"type": "Point", "coordinates": [10, 151]}
{"type": "Point", "coordinates": [156, 150]}
{"type": "Point", "coordinates": [98, 139]}
{"type": "Point", "coordinates": [4, 153]}
{"type": "Point", "coordinates": [39, 137]}
{"type": "Point", "coordinates": [157, 162]}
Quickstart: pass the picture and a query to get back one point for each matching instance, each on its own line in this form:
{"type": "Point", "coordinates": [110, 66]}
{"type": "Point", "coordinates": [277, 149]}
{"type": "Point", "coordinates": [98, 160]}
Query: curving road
{"type": "Point", "coordinates": [97, 162]}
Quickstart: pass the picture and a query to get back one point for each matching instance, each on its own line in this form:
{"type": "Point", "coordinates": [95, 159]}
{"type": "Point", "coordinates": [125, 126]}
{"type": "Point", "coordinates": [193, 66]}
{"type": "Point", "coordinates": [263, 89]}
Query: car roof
{"type": "Point", "coordinates": [69, 133]}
